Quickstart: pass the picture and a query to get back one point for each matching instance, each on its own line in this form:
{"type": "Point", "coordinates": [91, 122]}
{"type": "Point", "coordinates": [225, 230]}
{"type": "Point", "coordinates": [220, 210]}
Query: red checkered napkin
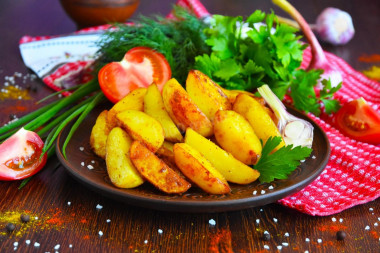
{"type": "Point", "coordinates": [352, 175]}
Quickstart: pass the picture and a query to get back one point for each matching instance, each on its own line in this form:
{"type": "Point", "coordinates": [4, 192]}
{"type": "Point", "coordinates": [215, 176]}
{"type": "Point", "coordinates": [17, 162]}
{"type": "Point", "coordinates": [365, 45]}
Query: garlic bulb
{"type": "Point", "coordinates": [335, 26]}
{"type": "Point", "coordinates": [295, 131]}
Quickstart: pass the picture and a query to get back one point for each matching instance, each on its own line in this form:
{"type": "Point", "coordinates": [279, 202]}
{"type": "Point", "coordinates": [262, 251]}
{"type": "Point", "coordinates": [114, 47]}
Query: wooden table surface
{"type": "Point", "coordinates": [63, 212]}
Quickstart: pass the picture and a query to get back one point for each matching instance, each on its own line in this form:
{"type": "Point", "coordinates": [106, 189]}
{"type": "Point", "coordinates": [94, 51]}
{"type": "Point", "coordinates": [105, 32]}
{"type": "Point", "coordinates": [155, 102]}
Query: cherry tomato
{"type": "Point", "coordinates": [140, 67]}
{"type": "Point", "coordinates": [359, 121]}
{"type": "Point", "coordinates": [20, 155]}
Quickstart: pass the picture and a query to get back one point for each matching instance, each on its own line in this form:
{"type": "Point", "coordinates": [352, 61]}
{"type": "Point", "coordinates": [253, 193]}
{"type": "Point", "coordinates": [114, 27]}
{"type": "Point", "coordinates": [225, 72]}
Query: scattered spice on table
{"type": "Point", "coordinates": [370, 58]}
{"type": "Point", "coordinates": [221, 241]}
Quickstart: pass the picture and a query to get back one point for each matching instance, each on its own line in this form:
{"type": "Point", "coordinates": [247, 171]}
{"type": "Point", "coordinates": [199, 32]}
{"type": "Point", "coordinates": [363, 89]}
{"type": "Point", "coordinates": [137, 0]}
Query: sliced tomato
{"type": "Point", "coordinates": [20, 155]}
{"type": "Point", "coordinates": [140, 67]}
{"type": "Point", "coordinates": [359, 121]}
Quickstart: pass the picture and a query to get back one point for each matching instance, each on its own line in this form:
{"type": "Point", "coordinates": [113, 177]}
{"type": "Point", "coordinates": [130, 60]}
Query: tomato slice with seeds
{"type": "Point", "coordinates": [140, 67]}
{"type": "Point", "coordinates": [20, 155]}
{"type": "Point", "coordinates": [359, 121]}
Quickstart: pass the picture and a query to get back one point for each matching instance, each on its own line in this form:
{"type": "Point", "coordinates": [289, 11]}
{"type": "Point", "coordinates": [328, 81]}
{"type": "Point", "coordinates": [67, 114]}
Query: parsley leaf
{"type": "Point", "coordinates": [281, 163]}
{"type": "Point", "coordinates": [326, 95]}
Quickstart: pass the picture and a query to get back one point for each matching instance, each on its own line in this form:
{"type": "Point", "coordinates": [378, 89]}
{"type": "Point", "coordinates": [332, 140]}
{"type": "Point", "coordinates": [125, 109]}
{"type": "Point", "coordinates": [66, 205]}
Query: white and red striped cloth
{"type": "Point", "coordinates": [352, 175]}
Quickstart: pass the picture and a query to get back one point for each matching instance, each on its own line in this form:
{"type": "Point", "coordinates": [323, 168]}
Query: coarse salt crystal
{"type": "Point", "coordinates": [212, 222]}
{"type": "Point", "coordinates": [15, 244]}
{"type": "Point", "coordinates": [286, 234]}
{"type": "Point", "coordinates": [100, 233]}
{"type": "Point", "coordinates": [82, 164]}
{"type": "Point", "coordinates": [285, 244]}
{"type": "Point", "coordinates": [340, 220]}
{"type": "Point", "coordinates": [27, 242]}
{"type": "Point", "coordinates": [99, 206]}
{"type": "Point", "coordinates": [108, 220]}
{"type": "Point", "coordinates": [307, 240]}
{"type": "Point", "coordinates": [36, 244]}
{"type": "Point", "coordinates": [375, 224]}
{"type": "Point", "coordinates": [92, 161]}
{"type": "Point", "coordinates": [56, 247]}
{"type": "Point", "coordinates": [69, 203]}
{"type": "Point", "coordinates": [90, 167]}
{"type": "Point", "coordinates": [275, 220]}
{"type": "Point", "coordinates": [257, 221]}
{"type": "Point", "coordinates": [81, 148]}
{"type": "Point", "coordinates": [160, 231]}
{"type": "Point", "coordinates": [266, 247]}
{"type": "Point", "coordinates": [319, 240]}
{"type": "Point", "coordinates": [262, 192]}
{"type": "Point", "coordinates": [370, 209]}
{"type": "Point", "coordinates": [306, 251]}
{"type": "Point", "coordinates": [271, 187]}
{"type": "Point", "coordinates": [70, 246]}
{"type": "Point", "coordinates": [333, 219]}
{"type": "Point", "coordinates": [36, 218]}
{"type": "Point", "coordinates": [146, 241]}
{"type": "Point", "coordinates": [279, 247]}
{"type": "Point", "coordinates": [254, 192]}
{"type": "Point", "coordinates": [367, 228]}
{"type": "Point", "coordinates": [266, 232]}
{"type": "Point", "coordinates": [313, 157]}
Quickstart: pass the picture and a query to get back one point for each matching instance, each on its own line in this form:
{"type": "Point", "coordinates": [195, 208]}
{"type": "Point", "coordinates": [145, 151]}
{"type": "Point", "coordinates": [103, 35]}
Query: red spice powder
{"type": "Point", "coordinates": [86, 237]}
{"type": "Point", "coordinates": [332, 228]}
{"type": "Point", "coordinates": [221, 242]}
{"type": "Point", "coordinates": [83, 221]}
{"type": "Point", "coordinates": [370, 58]}
{"type": "Point", "coordinates": [55, 221]}
{"type": "Point", "coordinates": [374, 234]}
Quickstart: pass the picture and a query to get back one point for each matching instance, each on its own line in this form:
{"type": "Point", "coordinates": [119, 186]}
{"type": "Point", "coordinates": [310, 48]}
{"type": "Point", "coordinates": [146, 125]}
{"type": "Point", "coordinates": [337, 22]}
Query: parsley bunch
{"type": "Point", "coordinates": [247, 54]}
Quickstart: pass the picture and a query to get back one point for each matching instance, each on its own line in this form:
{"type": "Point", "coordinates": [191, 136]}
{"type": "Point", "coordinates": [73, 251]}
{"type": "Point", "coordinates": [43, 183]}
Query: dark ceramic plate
{"type": "Point", "coordinates": [78, 151]}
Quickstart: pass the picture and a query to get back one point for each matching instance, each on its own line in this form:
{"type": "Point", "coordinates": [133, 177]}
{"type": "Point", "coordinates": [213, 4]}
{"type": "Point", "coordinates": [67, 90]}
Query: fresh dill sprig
{"type": "Point", "coordinates": [180, 40]}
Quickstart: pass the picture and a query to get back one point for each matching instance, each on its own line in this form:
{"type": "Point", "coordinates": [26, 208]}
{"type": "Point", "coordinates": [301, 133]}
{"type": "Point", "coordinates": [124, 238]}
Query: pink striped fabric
{"type": "Point", "coordinates": [352, 175]}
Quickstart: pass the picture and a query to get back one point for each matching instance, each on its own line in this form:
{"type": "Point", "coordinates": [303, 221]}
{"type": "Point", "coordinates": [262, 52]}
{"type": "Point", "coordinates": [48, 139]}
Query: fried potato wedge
{"type": "Point", "coordinates": [99, 134]}
{"type": "Point", "coordinates": [154, 107]}
{"type": "Point", "coordinates": [235, 135]}
{"type": "Point", "coordinates": [182, 109]}
{"type": "Point", "coordinates": [258, 117]}
{"type": "Point", "coordinates": [199, 170]}
{"type": "Point", "coordinates": [156, 171]}
{"type": "Point", "coordinates": [142, 127]}
{"type": "Point", "coordinates": [232, 169]}
{"type": "Point", "coordinates": [206, 94]}
{"type": "Point", "coordinates": [133, 101]}
{"type": "Point", "coordinates": [121, 171]}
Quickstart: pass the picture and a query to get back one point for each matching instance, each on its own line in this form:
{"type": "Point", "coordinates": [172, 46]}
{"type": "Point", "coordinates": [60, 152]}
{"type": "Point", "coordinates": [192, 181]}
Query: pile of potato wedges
{"type": "Point", "coordinates": [175, 138]}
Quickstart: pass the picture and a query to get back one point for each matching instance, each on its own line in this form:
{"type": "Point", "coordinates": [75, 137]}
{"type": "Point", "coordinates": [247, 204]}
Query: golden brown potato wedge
{"type": "Point", "coordinates": [156, 171]}
{"type": "Point", "coordinates": [154, 106]}
{"type": "Point", "coordinates": [199, 170]}
{"type": "Point", "coordinates": [99, 134]}
{"type": "Point", "coordinates": [184, 112]}
{"type": "Point", "coordinates": [257, 116]}
{"type": "Point", "coordinates": [206, 94]}
{"type": "Point", "coordinates": [140, 126]}
{"type": "Point", "coordinates": [235, 135]}
{"type": "Point", "coordinates": [133, 101]}
{"type": "Point", "coordinates": [121, 171]}
{"type": "Point", "coordinates": [232, 169]}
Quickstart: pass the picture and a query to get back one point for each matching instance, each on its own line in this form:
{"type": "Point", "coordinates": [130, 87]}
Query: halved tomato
{"type": "Point", "coordinates": [140, 67]}
{"type": "Point", "coordinates": [20, 155]}
{"type": "Point", "coordinates": [359, 121]}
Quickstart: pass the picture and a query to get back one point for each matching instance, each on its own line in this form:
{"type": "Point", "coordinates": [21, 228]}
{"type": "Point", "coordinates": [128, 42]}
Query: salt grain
{"type": "Point", "coordinates": [319, 240]}
{"type": "Point", "coordinates": [257, 221]}
{"type": "Point", "coordinates": [271, 187]}
{"type": "Point", "coordinates": [279, 247]}
{"type": "Point", "coordinates": [99, 207]}
{"type": "Point", "coordinates": [15, 244]}
{"type": "Point", "coordinates": [307, 240]}
{"type": "Point", "coordinates": [160, 231]}
{"type": "Point", "coordinates": [266, 232]}
{"type": "Point", "coordinates": [286, 234]}
{"type": "Point", "coordinates": [275, 220]}
{"type": "Point", "coordinates": [285, 244]}
{"type": "Point", "coordinates": [146, 241]}
{"type": "Point", "coordinates": [340, 220]}
{"type": "Point", "coordinates": [254, 192]}
{"type": "Point", "coordinates": [313, 157]}
{"type": "Point", "coordinates": [90, 167]}
{"type": "Point", "coordinates": [108, 220]}
{"type": "Point", "coordinates": [367, 228]}
{"type": "Point", "coordinates": [56, 247]}
{"type": "Point", "coordinates": [100, 233]}
{"type": "Point", "coordinates": [333, 219]}
{"type": "Point", "coordinates": [27, 242]}
{"type": "Point", "coordinates": [262, 192]}
{"type": "Point", "coordinates": [81, 148]}
{"type": "Point", "coordinates": [266, 247]}
{"type": "Point", "coordinates": [70, 246]}
{"type": "Point", "coordinates": [36, 218]}
{"type": "Point", "coordinates": [69, 203]}
{"type": "Point", "coordinates": [36, 244]}
{"type": "Point", "coordinates": [212, 222]}
{"type": "Point", "coordinates": [375, 224]}
{"type": "Point", "coordinates": [82, 164]}
{"type": "Point", "coordinates": [370, 209]}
